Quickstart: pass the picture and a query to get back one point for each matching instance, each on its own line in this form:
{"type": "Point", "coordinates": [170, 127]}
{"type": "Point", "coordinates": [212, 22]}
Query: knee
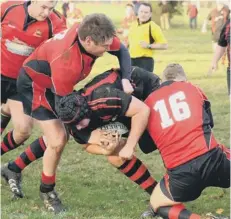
{"type": "Point", "coordinates": [57, 143]}
{"type": "Point", "coordinates": [23, 130]}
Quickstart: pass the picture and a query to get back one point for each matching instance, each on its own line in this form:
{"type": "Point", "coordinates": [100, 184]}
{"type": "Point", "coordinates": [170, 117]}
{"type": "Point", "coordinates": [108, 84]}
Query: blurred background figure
{"type": "Point", "coordinates": [65, 8]}
{"type": "Point", "coordinates": [126, 23]}
{"type": "Point", "coordinates": [222, 47]}
{"type": "Point", "coordinates": [192, 13]}
{"type": "Point", "coordinates": [218, 17]}
{"type": "Point", "coordinates": [164, 15]}
{"type": "Point", "coordinates": [136, 6]}
{"type": "Point", "coordinates": [74, 14]}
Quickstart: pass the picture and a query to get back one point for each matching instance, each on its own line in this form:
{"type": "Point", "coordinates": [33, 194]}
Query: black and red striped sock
{"type": "Point", "coordinates": [4, 120]}
{"type": "Point", "coordinates": [8, 143]}
{"type": "Point", "coordinates": [137, 172]}
{"type": "Point", "coordinates": [47, 183]}
{"type": "Point", "coordinates": [33, 152]}
{"type": "Point", "coordinates": [176, 212]}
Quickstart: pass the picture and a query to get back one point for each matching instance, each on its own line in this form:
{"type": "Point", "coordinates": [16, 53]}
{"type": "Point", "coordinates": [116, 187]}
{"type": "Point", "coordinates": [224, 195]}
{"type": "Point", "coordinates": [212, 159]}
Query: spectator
{"type": "Point", "coordinates": [65, 8]}
{"type": "Point", "coordinates": [164, 16]}
{"type": "Point", "coordinates": [144, 38]}
{"type": "Point", "coordinates": [74, 15]}
{"type": "Point", "coordinates": [136, 6]}
{"type": "Point", "coordinates": [224, 41]}
{"type": "Point", "coordinates": [218, 18]}
{"type": "Point", "coordinates": [192, 13]}
{"type": "Point", "coordinates": [126, 23]}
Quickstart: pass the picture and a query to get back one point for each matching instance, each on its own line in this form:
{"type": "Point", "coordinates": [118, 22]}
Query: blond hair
{"type": "Point", "coordinates": [174, 72]}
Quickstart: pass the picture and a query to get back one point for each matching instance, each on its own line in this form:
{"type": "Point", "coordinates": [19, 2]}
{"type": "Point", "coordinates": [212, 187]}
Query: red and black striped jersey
{"type": "Point", "coordinates": [143, 82]}
{"type": "Point", "coordinates": [21, 34]}
{"type": "Point", "coordinates": [107, 104]}
{"type": "Point", "coordinates": [61, 62]}
{"type": "Point", "coordinates": [107, 100]}
{"type": "Point", "coordinates": [180, 122]}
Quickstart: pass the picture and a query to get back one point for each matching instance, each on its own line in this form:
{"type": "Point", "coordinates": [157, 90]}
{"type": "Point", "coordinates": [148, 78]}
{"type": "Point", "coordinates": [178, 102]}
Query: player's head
{"type": "Point", "coordinates": [129, 11]}
{"type": "Point", "coordinates": [96, 33]}
{"type": "Point", "coordinates": [40, 10]}
{"type": "Point", "coordinates": [74, 110]}
{"type": "Point", "coordinates": [144, 12]}
{"type": "Point", "coordinates": [174, 72]}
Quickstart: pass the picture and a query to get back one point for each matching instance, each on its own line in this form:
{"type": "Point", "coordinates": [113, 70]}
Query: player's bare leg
{"type": "Point", "coordinates": [166, 207]}
{"type": "Point", "coordinates": [55, 139]}
{"type": "Point", "coordinates": [22, 127]}
{"type": "Point", "coordinates": [5, 116]}
{"type": "Point", "coordinates": [134, 169]}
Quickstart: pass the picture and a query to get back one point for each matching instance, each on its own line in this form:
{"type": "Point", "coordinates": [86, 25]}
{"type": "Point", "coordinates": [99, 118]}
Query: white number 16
{"type": "Point", "coordinates": [180, 109]}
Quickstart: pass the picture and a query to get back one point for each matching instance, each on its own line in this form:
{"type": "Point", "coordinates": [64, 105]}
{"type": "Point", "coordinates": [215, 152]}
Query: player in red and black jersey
{"type": "Point", "coordinates": [104, 102]}
{"type": "Point", "coordinates": [223, 44]}
{"type": "Point", "coordinates": [181, 124]}
{"type": "Point", "coordinates": [52, 71]}
{"type": "Point", "coordinates": [24, 26]}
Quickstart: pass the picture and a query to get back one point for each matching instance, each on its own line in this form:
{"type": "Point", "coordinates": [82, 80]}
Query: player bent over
{"type": "Point", "coordinates": [105, 109]}
{"type": "Point", "coordinates": [180, 124]}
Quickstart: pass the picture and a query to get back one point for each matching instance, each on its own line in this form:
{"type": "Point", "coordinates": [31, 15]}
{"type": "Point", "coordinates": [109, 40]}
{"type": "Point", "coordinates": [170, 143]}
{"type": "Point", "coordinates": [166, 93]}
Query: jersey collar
{"type": "Point", "coordinates": [28, 19]}
{"type": "Point", "coordinates": [166, 83]}
{"type": "Point", "coordinates": [139, 24]}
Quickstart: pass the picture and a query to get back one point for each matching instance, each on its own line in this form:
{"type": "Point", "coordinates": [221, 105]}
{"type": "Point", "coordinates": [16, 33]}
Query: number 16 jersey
{"type": "Point", "coordinates": [180, 122]}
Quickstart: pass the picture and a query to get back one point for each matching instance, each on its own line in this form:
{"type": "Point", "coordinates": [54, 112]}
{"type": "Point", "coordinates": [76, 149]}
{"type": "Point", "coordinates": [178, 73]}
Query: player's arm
{"type": "Point", "coordinates": [121, 52]}
{"type": "Point", "coordinates": [220, 49]}
{"type": "Point", "coordinates": [123, 104]}
{"type": "Point", "coordinates": [160, 40]}
{"type": "Point", "coordinates": [139, 113]}
{"type": "Point", "coordinates": [90, 140]}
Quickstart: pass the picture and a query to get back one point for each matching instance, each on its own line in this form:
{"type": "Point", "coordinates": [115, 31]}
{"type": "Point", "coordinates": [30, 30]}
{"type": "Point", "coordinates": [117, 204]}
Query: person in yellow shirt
{"type": "Point", "coordinates": [145, 36]}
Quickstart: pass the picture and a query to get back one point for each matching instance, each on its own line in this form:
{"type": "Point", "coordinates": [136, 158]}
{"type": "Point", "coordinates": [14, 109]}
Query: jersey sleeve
{"type": "Point", "coordinates": [115, 46]}
{"type": "Point", "coordinates": [110, 102]}
{"type": "Point", "coordinates": [59, 22]}
{"type": "Point", "coordinates": [7, 4]}
{"type": "Point", "coordinates": [157, 34]}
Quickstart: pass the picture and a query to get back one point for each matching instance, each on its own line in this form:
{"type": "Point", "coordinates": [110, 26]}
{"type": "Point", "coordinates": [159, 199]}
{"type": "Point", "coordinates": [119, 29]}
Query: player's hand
{"type": "Point", "coordinates": [212, 69]}
{"type": "Point", "coordinates": [126, 152]}
{"type": "Point", "coordinates": [144, 44]}
{"type": "Point", "coordinates": [127, 87]}
{"type": "Point", "coordinates": [109, 140]}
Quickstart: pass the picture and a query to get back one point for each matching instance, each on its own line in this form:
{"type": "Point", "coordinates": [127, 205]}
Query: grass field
{"type": "Point", "coordinates": [87, 184]}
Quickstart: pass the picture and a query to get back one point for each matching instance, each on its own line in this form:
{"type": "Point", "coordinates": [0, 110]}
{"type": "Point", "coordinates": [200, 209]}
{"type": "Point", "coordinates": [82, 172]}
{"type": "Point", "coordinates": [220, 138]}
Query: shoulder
{"type": "Point", "coordinates": [154, 25]}
{"type": "Point", "coordinates": [57, 18]}
{"type": "Point", "coordinates": [10, 4]}
{"type": "Point", "coordinates": [134, 24]}
{"type": "Point", "coordinates": [115, 46]}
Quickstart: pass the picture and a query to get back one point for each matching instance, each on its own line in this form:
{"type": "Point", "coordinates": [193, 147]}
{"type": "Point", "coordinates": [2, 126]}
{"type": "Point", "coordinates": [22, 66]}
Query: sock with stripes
{"type": "Point", "coordinates": [8, 143]}
{"type": "Point", "coordinates": [47, 183]}
{"type": "Point", "coordinates": [32, 153]}
{"type": "Point", "coordinates": [4, 120]}
{"type": "Point", "coordinates": [176, 212]}
{"type": "Point", "coordinates": [137, 172]}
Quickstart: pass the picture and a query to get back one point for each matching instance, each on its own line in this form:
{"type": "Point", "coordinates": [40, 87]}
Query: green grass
{"type": "Point", "coordinates": [88, 185]}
